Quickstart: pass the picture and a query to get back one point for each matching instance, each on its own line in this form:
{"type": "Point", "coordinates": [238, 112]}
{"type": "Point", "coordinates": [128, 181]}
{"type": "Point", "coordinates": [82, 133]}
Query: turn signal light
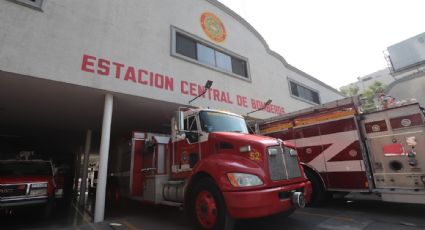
{"type": "Point", "coordinates": [245, 149]}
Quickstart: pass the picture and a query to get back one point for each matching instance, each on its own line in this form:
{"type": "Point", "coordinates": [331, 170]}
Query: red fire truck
{"type": "Point", "coordinates": [213, 168]}
{"type": "Point", "coordinates": [344, 149]}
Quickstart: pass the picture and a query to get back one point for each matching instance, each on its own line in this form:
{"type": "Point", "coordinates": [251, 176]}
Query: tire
{"type": "Point", "coordinates": [208, 208]}
{"type": "Point", "coordinates": [319, 196]}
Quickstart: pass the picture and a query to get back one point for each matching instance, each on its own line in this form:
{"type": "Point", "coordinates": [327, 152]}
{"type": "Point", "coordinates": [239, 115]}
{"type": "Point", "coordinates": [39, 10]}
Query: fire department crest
{"type": "Point", "coordinates": [406, 122]}
{"type": "Point", "coordinates": [376, 128]}
{"type": "Point", "coordinates": [213, 27]}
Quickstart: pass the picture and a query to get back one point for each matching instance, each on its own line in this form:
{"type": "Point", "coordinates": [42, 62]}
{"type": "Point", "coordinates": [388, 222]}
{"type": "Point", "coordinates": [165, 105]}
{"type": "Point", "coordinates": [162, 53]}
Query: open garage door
{"type": "Point", "coordinates": [47, 120]}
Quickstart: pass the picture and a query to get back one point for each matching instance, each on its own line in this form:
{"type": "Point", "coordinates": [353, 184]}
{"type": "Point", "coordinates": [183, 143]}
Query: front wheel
{"type": "Point", "coordinates": [208, 207]}
{"type": "Point", "coordinates": [319, 195]}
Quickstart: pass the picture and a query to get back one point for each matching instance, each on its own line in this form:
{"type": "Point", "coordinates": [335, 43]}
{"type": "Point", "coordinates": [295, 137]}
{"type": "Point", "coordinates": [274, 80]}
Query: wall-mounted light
{"type": "Point", "coordinates": [207, 86]}
{"type": "Point", "coordinates": [268, 102]}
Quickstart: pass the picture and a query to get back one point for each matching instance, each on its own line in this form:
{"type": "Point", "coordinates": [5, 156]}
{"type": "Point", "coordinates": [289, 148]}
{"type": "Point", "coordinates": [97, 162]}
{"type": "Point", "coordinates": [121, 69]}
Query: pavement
{"type": "Point", "coordinates": [338, 214]}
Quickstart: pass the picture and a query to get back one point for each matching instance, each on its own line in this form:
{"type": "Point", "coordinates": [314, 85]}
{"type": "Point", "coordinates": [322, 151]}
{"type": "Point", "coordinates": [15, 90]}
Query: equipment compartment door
{"type": "Point", "coordinates": [395, 139]}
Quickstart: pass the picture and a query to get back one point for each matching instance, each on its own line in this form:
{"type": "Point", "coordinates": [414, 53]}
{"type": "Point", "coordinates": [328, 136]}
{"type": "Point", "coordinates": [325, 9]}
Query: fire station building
{"type": "Point", "coordinates": [118, 66]}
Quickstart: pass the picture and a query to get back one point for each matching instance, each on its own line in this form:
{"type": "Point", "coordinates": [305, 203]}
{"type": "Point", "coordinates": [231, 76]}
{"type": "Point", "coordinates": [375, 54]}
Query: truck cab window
{"type": "Point", "coordinates": [190, 124]}
{"type": "Point", "coordinates": [222, 122]}
{"type": "Point", "coordinates": [191, 129]}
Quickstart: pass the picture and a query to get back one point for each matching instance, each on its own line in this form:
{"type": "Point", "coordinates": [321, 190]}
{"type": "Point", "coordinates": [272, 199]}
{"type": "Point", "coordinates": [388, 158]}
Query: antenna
{"type": "Point", "coordinates": [265, 105]}
{"type": "Point", "coordinates": [207, 86]}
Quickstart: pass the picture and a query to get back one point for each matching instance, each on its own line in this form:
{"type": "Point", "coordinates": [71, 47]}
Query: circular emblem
{"type": "Point", "coordinates": [213, 27]}
{"type": "Point", "coordinates": [376, 128]}
{"type": "Point", "coordinates": [352, 153]}
{"type": "Point", "coordinates": [406, 122]}
{"type": "Point", "coordinates": [308, 150]}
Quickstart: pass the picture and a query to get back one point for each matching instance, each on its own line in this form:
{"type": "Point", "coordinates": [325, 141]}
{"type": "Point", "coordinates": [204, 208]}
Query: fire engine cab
{"type": "Point", "coordinates": [345, 149]}
{"type": "Point", "coordinates": [213, 168]}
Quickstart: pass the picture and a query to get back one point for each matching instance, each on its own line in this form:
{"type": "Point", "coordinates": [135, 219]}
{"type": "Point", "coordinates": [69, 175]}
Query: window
{"type": "Point", "coordinates": [190, 124]}
{"type": "Point", "coordinates": [205, 54]}
{"type": "Point", "coordinates": [209, 55]}
{"type": "Point", "coordinates": [186, 46]}
{"type": "Point", "coordinates": [224, 61]}
{"type": "Point", "coordinates": [35, 4]}
{"type": "Point", "coordinates": [304, 93]}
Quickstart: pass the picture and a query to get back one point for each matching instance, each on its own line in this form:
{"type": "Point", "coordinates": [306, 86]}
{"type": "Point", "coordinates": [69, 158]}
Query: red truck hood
{"type": "Point", "coordinates": [22, 179]}
{"type": "Point", "coordinates": [235, 136]}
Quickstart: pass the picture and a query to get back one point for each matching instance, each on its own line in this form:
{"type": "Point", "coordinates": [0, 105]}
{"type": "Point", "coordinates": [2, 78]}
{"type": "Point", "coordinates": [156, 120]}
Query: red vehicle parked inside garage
{"type": "Point", "coordinates": [26, 183]}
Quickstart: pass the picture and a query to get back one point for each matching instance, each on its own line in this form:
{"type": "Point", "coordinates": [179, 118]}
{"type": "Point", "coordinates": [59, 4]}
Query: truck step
{"type": "Point", "coordinates": [171, 203]}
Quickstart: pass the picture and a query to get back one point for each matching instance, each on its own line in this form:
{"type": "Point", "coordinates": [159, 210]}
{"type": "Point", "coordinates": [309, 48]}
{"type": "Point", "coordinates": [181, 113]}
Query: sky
{"type": "Point", "coordinates": [336, 41]}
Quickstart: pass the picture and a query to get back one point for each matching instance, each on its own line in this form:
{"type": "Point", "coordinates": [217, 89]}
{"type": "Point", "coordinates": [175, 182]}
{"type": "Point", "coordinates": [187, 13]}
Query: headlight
{"type": "Point", "coordinates": [39, 185]}
{"type": "Point", "coordinates": [243, 179]}
{"type": "Point", "coordinates": [38, 189]}
{"type": "Point", "coordinates": [273, 151]}
{"type": "Point", "coordinates": [293, 152]}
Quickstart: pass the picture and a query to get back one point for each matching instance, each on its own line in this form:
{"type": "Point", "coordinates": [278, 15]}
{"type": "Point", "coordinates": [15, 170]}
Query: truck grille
{"type": "Point", "coordinates": [13, 190]}
{"type": "Point", "coordinates": [281, 164]}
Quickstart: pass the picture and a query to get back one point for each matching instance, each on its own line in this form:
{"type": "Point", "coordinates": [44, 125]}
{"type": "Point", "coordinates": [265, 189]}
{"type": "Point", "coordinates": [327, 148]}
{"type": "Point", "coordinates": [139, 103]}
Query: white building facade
{"type": "Point", "coordinates": [71, 66]}
{"type": "Point", "coordinates": [154, 49]}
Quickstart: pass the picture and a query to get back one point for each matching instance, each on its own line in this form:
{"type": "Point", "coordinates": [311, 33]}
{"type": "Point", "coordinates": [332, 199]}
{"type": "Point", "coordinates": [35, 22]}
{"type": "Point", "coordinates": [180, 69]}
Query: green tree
{"type": "Point", "coordinates": [352, 90]}
{"type": "Point", "coordinates": [371, 92]}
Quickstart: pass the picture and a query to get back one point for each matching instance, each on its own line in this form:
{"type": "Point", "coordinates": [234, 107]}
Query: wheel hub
{"type": "Point", "coordinates": [206, 209]}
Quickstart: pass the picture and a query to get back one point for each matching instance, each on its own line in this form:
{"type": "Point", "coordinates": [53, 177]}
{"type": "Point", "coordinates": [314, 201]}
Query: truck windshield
{"type": "Point", "coordinates": [25, 168]}
{"type": "Point", "coordinates": [222, 122]}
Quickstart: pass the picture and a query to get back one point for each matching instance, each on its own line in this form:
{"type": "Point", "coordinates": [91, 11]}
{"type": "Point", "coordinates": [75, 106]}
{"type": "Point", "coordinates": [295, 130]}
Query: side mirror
{"type": "Point", "coordinates": [179, 116]}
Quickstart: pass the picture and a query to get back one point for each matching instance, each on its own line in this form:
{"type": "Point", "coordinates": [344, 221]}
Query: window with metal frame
{"type": "Point", "coordinates": [305, 93]}
{"type": "Point", "coordinates": [208, 55]}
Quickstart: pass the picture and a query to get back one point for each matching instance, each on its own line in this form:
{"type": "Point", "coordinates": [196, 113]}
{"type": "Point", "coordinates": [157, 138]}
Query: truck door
{"type": "Point", "coordinates": [186, 151]}
{"type": "Point", "coordinates": [138, 144]}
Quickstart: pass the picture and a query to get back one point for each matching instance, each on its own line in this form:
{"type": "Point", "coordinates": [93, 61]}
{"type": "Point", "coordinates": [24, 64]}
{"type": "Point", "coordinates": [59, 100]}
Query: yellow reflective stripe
{"type": "Point", "coordinates": [278, 127]}
{"type": "Point", "coordinates": [324, 117]}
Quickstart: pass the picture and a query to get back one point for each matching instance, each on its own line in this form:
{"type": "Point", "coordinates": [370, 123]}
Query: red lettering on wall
{"type": "Point", "coordinates": [130, 74]}
{"type": "Point", "coordinates": [118, 67]}
{"type": "Point", "coordinates": [151, 75]}
{"type": "Point", "coordinates": [169, 83]}
{"type": "Point", "coordinates": [159, 81]}
{"type": "Point", "coordinates": [242, 101]}
{"type": "Point", "coordinates": [216, 95]}
{"type": "Point", "coordinates": [88, 61]}
{"type": "Point", "coordinates": [103, 67]}
{"type": "Point", "coordinates": [201, 90]}
{"type": "Point", "coordinates": [225, 97]}
{"type": "Point", "coordinates": [193, 89]}
{"type": "Point", "coordinates": [183, 87]}
{"type": "Point", "coordinates": [253, 104]}
{"type": "Point", "coordinates": [147, 78]}
{"type": "Point", "coordinates": [142, 72]}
